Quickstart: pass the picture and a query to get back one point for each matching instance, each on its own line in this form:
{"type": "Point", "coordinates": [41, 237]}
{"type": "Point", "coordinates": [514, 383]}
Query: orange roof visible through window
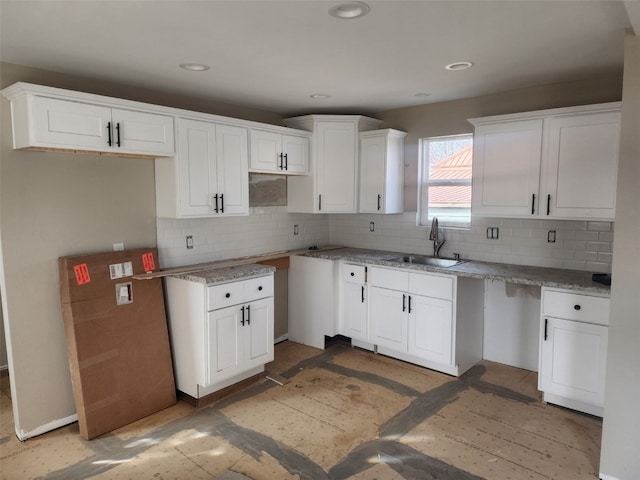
{"type": "Point", "coordinates": [455, 166]}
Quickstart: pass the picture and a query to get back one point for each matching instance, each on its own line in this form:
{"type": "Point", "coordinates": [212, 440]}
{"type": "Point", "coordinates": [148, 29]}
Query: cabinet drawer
{"type": "Point", "coordinates": [573, 306]}
{"type": "Point", "coordinates": [260, 287]}
{"type": "Point", "coordinates": [225, 295]}
{"type": "Point", "coordinates": [391, 279]}
{"type": "Point", "coordinates": [353, 273]}
{"type": "Point", "coordinates": [431, 285]}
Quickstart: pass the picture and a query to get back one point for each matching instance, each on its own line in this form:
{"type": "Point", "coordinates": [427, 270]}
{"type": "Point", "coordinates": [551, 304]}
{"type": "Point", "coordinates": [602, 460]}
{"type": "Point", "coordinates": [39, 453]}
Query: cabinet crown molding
{"type": "Point", "coordinates": [553, 112]}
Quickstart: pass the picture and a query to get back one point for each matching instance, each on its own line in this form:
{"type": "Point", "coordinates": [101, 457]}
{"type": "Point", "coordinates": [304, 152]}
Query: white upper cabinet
{"type": "Point", "coordinates": [381, 171]}
{"type": "Point", "coordinates": [582, 165]}
{"type": "Point", "coordinates": [274, 152]}
{"type": "Point", "coordinates": [209, 176]}
{"type": "Point", "coordinates": [50, 118]}
{"type": "Point", "coordinates": [506, 168]}
{"type": "Point", "coordinates": [558, 164]}
{"type": "Point", "coordinates": [331, 186]}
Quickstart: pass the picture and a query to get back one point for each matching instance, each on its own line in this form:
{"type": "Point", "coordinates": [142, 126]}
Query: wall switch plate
{"type": "Point", "coordinates": [124, 293]}
{"type": "Point", "coordinates": [295, 229]}
{"type": "Point", "coordinates": [189, 240]}
{"type": "Point", "coordinates": [551, 236]}
{"type": "Point", "coordinates": [118, 247]}
{"type": "Point", "coordinates": [372, 226]}
{"type": "Point", "coordinates": [493, 233]}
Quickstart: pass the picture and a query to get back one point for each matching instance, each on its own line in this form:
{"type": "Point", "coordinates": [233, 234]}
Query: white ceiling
{"type": "Point", "coordinates": [273, 54]}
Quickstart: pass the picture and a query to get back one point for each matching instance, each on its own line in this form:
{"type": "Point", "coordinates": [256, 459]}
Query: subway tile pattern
{"type": "Point", "coordinates": [266, 229]}
{"type": "Point", "coordinates": [579, 245]}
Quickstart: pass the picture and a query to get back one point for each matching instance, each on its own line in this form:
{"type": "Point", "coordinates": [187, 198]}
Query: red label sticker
{"type": "Point", "coordinates": [82, 273]}
{"type": "Point", "coordinates": [147, 262]}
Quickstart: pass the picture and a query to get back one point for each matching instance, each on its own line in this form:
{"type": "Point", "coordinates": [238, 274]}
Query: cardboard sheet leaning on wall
{"type": "Point", "coordinates": [117, 339]}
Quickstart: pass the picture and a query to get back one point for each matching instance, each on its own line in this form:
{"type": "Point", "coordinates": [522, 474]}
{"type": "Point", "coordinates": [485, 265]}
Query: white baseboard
{"type": "Point", "coordinates": [281, 338]}
{"type": "Point", "coordinates": [61, 422]}
{"type": "Point", "coordinates": [607, 477]}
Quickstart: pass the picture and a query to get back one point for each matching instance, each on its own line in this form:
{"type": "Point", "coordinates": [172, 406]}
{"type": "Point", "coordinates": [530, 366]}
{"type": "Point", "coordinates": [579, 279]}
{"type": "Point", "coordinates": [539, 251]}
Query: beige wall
{"type": "Point", "coordinates": [450, 118]}
{"type": "Point", "coordinates": [621, 432]}
{"type": "Point", "coordinates": [53, 205]}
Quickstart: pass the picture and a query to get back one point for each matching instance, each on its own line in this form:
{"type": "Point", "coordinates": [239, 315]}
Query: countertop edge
{"type": "Point", "coordinates": [509, 273]}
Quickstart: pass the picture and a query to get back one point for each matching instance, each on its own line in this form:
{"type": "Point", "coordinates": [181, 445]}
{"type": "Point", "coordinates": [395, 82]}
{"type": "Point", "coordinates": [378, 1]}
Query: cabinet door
{"type": "Point", "coordinates": [336, 166]}
{"type": "Point", "coordinates": [296, 151]}
{"type": "Point", "coordinates": [233, 169]}
{"type": "Point", "coordinates": [582, 166]}
{"type": "Point", "coordinates": [506, 168]}
{"type": "Point", "coordinates": [372, 174]}
{"type": "Point", "coordinates": [74, 125]}
{"type": "Point", "coordinates": [431, 328]}
{"type": "Point", "coordinates": [573, 359]}
{"type": "Point", "coordinates": [388, 318]}
{"type": "Point", "coordinates": [258, 333]}
{"type": "Point", "coordinates": [266, 148]}
{"type": "Point", "coordinates": [144, 133]}
{"type": "Point", "coordinates": [355, 311]}
{"type": "Point", "coordinates": [196, 163]}
{"type": "Point", "coordinates": [224, 344]}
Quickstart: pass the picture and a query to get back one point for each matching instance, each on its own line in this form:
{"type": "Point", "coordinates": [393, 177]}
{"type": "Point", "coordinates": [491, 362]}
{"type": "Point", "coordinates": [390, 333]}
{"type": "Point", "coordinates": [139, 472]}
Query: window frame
{"type": "Point", "coordinates": [423, 218]}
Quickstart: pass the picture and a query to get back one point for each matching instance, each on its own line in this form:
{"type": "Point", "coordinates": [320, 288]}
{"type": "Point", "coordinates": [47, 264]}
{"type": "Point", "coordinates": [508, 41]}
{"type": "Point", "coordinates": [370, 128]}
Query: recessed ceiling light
{"type": "Point", "coordinates": [458, 66]}
{"type": "Point", "coordinates": [195, 67]}
{"type": "Point", "coordinates": [421, 94]}
{"type": "Point", "coordinates": [320, 96]}
{"type": "Point", "coordinates": [349, 10]}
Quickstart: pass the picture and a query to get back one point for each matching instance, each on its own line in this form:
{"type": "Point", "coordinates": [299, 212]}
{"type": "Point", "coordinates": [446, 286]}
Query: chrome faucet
{"type": "Point", "coordinates": [437, 237]}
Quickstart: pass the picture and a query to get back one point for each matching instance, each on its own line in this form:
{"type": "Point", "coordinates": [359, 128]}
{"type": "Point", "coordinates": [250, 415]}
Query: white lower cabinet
{"type": "Point", "coordinates": [431, 329]}
{"type": "Point", "coordinates": [354, 320]}
{"type": "Point", "coordinates": [573, 350]}
{"type": "Point", "coordinates": [430, 319]}
{"type": "Point", "coordinates": [220, 334]}
{"type": "Point", "coordinates": [239, 339]}
{"type": "Point", "coordinates": [388, 319]}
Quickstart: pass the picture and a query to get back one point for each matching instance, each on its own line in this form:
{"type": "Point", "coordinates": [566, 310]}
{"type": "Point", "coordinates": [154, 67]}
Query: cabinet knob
{"type": "Point", "coordinates": [577, 307]}
{"type": "Point", "coordinates": [228, 295]}
{"type": "Point", "coordinates": [260, 288]}
{"type": "Point", "coordinates": [353, 274]}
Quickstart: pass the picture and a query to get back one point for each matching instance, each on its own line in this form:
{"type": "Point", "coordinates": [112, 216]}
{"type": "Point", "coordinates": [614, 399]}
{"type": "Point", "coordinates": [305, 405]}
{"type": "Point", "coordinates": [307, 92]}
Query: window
{"type": "Point", "coordinates": [445, 180]}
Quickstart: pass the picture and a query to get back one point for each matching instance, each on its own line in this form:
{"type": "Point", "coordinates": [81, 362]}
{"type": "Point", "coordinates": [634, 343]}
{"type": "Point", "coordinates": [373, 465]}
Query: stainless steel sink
{"type": "Point", "coordinates": [425, 260]}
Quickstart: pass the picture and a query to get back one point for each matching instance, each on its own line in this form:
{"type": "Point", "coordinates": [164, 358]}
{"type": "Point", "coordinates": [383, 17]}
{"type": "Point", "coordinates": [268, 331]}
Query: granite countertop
{"type": "Point", "coordinates": [226, 274]}
{"type": "Point", "coordinates": [504, 272]}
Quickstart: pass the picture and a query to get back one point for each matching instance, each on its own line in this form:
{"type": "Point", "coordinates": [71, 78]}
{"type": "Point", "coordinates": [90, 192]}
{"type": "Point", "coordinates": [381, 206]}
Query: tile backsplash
{"type": "Point", "coordinates": [266, 229]}
{"type": "Point", "coordinates": [579, 245]}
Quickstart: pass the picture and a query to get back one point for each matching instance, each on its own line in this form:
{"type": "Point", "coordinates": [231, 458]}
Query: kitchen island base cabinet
{"type": "Point", "coordinates": [220, 334]}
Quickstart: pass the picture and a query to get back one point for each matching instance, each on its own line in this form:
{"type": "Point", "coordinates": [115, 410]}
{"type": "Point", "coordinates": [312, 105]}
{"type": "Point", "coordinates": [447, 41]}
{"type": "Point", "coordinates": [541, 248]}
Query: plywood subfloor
{"type": "Point", "coordinates": [343, 414]}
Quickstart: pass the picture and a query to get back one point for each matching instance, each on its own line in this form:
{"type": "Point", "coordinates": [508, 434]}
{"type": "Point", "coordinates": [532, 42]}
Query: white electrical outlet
{"type": "Point", "coordinates": [189, 240]}
{"type": "Point", "coordinates": [118, 247]}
